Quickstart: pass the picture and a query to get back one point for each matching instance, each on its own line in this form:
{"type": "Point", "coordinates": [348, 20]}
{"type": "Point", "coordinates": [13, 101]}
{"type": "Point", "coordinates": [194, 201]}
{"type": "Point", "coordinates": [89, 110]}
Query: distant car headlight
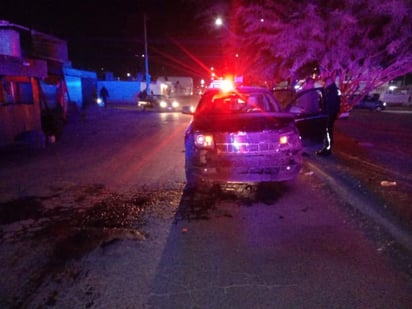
{"type": "Point", "coordinates": [99, 101]}
{"type": "Point", "coordinates": [163, 104]}
{"type": "Point", "coordinates": [175, 104]}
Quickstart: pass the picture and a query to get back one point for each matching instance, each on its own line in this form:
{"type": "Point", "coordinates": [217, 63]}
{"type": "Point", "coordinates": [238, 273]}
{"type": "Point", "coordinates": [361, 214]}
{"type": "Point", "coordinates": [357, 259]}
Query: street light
{"type": "Point", "coordinates": [146, 58]}
{"type": "Point", "coordinates": [218, 21]}
{"type": "Point", "coordinates": [227, 37]}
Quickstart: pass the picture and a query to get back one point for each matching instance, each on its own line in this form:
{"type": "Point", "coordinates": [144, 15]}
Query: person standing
{"type": "Point", "coordinates": [104, 94]}
{"type": "Point", "coordinates": [332, 109]}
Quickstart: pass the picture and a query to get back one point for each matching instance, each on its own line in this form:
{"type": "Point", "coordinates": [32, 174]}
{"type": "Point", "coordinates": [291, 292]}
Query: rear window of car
{"type": "Point", "coordinates": [216, 102]}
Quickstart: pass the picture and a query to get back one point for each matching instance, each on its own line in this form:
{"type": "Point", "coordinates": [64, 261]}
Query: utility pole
{"type": "Point", "coordinates": [146, 58]}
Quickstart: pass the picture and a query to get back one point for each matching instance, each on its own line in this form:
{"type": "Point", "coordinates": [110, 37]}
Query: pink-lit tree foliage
{"type": "Point", "coordinates": [362, 43]}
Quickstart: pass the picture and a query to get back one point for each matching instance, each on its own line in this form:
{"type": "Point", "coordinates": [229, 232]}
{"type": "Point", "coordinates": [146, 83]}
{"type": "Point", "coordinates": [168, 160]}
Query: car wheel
{"type": "Point", "coordinates": [378, 109]}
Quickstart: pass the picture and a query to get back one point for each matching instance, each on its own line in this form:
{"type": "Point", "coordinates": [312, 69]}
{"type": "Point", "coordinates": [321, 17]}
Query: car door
{"type": "Point", "coordinates": [310, 116]}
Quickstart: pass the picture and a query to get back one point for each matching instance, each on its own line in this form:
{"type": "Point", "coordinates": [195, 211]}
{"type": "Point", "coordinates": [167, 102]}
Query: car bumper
{"type": "Point", "coordinates": [246, 169]}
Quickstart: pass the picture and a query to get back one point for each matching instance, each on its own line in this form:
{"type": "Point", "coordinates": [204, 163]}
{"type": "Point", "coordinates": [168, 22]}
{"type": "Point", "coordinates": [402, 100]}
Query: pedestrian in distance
{"type": "Point", "coordinates": [104, 94]}
{"type": "Point", "coordinates": [332, 109]}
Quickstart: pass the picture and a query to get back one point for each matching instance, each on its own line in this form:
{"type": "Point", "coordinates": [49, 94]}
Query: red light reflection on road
{"type": "Point", "coordinates": [127, 165]}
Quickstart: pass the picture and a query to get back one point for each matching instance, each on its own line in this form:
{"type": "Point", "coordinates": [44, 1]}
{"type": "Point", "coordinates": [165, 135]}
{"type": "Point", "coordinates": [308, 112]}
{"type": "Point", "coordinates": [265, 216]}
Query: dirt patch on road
{"type": "Point", "coordinates": [42, 237]}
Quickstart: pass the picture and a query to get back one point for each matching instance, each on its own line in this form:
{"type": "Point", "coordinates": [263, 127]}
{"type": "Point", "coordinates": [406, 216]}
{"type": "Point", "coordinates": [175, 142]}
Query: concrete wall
{"type": "Point", "coordinates": [121, 91]}
{"type": "Point", "coordinates": [126, 92]}
{"type": "Point", "coordinates": [181, 85]}
{"type": "Point", "coordinates": [81, 86]}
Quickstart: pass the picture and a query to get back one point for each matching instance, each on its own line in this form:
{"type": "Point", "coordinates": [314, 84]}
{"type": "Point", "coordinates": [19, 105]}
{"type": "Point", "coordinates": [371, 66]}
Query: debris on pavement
{"type": "Point", "coordinates": [387, 183]}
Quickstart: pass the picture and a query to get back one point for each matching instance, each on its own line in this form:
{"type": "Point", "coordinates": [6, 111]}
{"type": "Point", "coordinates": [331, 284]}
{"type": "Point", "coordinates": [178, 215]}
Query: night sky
{"type": "Point", "coordinates": [110, 36]}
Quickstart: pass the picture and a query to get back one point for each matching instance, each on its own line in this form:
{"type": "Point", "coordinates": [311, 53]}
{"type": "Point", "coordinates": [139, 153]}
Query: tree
{"type": "Point", "coordinates": [361, 43]}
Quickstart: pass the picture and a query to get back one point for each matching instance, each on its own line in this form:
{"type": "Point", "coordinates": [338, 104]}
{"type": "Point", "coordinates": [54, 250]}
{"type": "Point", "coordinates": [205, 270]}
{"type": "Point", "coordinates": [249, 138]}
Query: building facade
{"type": "Point", "coordinates": [34, 96]}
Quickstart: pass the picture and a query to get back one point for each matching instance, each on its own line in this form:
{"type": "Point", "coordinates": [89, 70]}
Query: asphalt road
{"type": "Point", "coordinates": [102, 219]}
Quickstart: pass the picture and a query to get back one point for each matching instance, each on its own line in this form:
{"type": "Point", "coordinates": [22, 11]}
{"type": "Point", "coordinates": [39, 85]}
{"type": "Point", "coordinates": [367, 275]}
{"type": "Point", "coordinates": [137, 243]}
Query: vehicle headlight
{"type": "Point", "coordinates": [175, 104]}
{"type": "Point", "coordinates": [289, 139]}
{"type": "Point", "coordinates": [163, 104]}
{"type": "Point", "coordinates": [204, 140]}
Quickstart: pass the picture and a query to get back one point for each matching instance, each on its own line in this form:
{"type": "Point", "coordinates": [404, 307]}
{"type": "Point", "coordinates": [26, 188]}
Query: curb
{"type": "Point", "coordinates": [345, 189]}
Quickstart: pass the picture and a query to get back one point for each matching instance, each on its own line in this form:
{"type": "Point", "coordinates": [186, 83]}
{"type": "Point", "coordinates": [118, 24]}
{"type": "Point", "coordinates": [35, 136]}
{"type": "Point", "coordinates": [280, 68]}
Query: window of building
{"type": "Point", "coordinates": [17, 90]}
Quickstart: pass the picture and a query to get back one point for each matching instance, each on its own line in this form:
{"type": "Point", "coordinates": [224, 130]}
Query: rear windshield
{"type": "Point", "coordinates": [237, 102]}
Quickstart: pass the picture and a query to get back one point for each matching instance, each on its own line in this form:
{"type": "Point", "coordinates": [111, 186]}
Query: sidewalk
{"type": "Point", "coordinates": [398, 108]}
{"type": "Point", "coordinates": [354, 192]}
{"type": "Point", "coordinates": [356, 169]}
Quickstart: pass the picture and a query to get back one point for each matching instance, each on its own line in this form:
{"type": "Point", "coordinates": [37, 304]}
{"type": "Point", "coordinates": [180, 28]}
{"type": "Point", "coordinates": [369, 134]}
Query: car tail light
{"type": "Point", "coordinates": [283, 140]}
{"type": "Point", "coordinates": [204, 140]}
